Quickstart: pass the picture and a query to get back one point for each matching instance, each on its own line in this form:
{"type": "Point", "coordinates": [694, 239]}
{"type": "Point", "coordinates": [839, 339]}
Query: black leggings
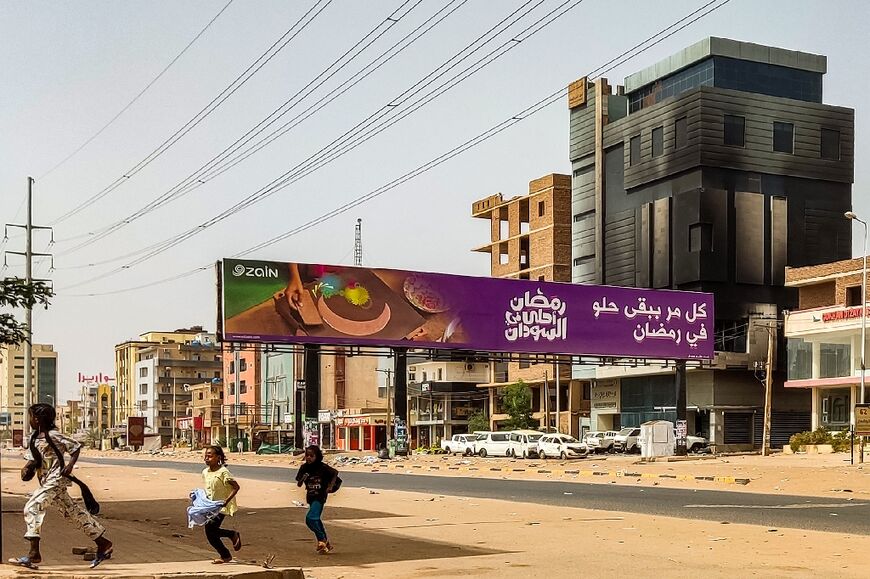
{"type": "Point", "coordinates": [214, 534]}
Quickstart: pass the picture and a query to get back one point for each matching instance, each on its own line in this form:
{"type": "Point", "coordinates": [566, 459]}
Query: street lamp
{"type": "Point", "coordinates": [850, 215]}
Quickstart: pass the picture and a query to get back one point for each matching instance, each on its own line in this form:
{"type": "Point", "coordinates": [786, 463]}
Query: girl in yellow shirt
{"type": "Point", "coordinates": [220, 486]}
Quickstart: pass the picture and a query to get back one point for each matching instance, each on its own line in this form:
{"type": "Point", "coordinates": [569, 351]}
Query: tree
{"type": "Point", "coordinates": [478, 422]}
{"type": "Point", "coordinates": [517, 400]}
{"type": "Point", "coordinates": [17, 293]}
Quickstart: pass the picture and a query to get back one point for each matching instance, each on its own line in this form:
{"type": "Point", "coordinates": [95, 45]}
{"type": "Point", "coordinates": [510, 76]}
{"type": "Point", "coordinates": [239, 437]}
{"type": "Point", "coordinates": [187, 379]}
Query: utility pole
{"type": "Point", "coordinates": [28, 255]}
{"type": "Point", "coordinates": [546, 402]}
{"type": "Point", "coordinates": [558, 414]}
{"type": "Point", "coordinates": [768, 389]}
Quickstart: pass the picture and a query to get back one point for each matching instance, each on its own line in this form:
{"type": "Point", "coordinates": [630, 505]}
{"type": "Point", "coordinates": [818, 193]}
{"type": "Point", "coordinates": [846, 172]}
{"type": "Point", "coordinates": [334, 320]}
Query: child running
{"type": "Point", "coordinates": [220, 486]}
{"type": "Point", "coordinates": [319, 479]}
{"type": "Point", "coordinates": [45, 460]}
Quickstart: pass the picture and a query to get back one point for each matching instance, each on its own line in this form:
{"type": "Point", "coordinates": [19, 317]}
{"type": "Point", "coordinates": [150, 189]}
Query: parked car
{"type": "Point", "coordinates": [694, 443]}
{"type": "Point", "coordinates": [626, 440]}
{"type": "Point", "coordinates": [524, 443]}
{"type": "Point", "coordinates": [561, 445]}
{"type": "Point", "coordinates": [492, 443]}
{"type": "Point", "coordinates": [598, 441]}
{"type": "Point", "coordinates": [460, 443]}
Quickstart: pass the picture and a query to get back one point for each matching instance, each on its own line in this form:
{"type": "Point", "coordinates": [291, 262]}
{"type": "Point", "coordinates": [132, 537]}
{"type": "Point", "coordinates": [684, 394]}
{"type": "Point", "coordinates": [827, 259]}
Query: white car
{"type": "Point", "coordinates": [693, 443]}
{"type": "Point", "coordinates": [599, 441]}
{"type": "Point", "coordinates": [524, 443]}
{"type": "Point", "coordinates": [460, 443]}
{"type": "Point", "coordinates": [561, 445]}
{"type": "Point", "coordinates": [627, 440]}
{"type": "Point", "coordinates": [492, 444]}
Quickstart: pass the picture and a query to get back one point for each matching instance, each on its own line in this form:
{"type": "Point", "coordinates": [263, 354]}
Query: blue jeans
{"type": "Point", "coordinates": [312, 519]}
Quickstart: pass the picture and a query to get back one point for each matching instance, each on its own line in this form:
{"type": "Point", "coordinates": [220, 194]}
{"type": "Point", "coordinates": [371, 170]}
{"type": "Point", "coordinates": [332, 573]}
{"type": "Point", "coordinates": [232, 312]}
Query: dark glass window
{"type": "Point", "coordinates": [769, 79]}
{"type": "Point", "coordinates": [835, 360]}
{"type": "Point", "coordinates": [541, 208]}
{"type": "Point", "coordinates": [701, 237]}
{"type": "Point", "coordinates": [830, 144]}
{"type": "Point", "coordinates": [658, 141]}
{"type": "Point", "coordinates": [734, 130]}
{"type": "Point", "coordinates": [800, 359]}
{"type": "Point", "coordinates": [783, 137]}
{"type": "Point", "coordinates": [853, 295]}
{"type": "Point", "coordinates": [681, 139]}
{"type": "Point", "coordinates": [634, 151]}
{"type": "Point", "coordinates": [699, 74]}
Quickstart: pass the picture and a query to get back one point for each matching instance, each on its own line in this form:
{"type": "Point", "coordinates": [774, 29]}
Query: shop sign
{"type": "Point", "coordinates": [136, 431]}
{"type": "Point", "coordinates": [847, 314]}
{"type": "Point", "coordinates": [353, 421]}
{"type": "Point", "coordinates": [862, 419]}
{"type": "Point", "coordinates": [324, 416]}
{"type": "Point", "coordinates": [605, 398]}
{"type": "Point", "coordinates": [194, 422]}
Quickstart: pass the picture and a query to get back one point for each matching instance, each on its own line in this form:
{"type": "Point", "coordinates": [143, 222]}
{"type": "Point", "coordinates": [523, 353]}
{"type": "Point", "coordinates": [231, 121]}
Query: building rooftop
{"type": "Point", "coordinates": [715, 46]}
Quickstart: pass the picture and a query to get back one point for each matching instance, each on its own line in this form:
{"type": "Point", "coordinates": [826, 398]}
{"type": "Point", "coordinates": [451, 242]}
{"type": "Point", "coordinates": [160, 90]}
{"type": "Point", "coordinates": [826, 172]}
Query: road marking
{"type": "Point", "coordinates": [791, 506]}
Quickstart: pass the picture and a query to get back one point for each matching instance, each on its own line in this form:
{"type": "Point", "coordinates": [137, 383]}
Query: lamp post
{"type": "Point", "coordinates": [853, 217]}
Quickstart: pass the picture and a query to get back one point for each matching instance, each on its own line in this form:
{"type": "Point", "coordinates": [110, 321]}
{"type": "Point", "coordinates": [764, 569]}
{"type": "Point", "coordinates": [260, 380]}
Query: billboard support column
{"type": "Point", "coordinates": [681, 407]}
{"type": "Point", "coordinates": [400, 382]}
{"type": "Point", "coordinates": [312, 381]}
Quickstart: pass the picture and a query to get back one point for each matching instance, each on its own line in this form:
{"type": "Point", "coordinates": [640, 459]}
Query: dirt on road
{"type": "Point", "coordinates": [381, 533]}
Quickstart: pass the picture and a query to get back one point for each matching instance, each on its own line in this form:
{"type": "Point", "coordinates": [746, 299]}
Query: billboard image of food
{"type": "Point", "coordinates": [278, 302]}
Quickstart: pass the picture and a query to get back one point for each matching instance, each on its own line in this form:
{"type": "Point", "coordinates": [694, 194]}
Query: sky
{"type": "Point", "coordinates": [69, 68]}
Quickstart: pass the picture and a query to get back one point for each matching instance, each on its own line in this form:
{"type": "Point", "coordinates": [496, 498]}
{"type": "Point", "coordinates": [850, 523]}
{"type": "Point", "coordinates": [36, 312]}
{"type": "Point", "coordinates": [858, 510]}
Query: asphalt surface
{"type": "Point", "coordinates": [840, 515]}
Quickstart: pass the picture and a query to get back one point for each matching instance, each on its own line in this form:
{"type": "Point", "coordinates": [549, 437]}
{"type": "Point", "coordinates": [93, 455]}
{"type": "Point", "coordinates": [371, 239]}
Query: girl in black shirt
{"type": "Point", "coordinates": [319, 479]}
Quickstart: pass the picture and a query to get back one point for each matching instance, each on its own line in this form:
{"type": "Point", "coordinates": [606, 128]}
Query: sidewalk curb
{"type": "Point", "coordinates": [141, 571]}
{"type": "Point", "coordinates": [570, 472]}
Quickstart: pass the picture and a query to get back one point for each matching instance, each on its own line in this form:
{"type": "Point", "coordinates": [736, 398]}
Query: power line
{"type": "Point", "coordinates": [226, 93]}
{"type": "Point", "coordinates": [199, 177]}
{"type": "Point", "coordinates": [139, 95]}
{"type": "Point", "coordinates": [630, 54]}
{"type": "Point", "coordinates": [301, 170]}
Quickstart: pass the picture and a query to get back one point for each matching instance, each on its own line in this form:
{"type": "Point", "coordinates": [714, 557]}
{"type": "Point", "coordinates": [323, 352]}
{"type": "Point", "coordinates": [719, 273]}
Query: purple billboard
{"type": "Point", "coordinates": [264, 301]}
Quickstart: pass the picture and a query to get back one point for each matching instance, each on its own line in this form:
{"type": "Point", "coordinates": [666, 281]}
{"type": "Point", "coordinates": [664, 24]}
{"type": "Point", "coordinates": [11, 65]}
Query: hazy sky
{"type": "Point", "coordinates": [70, 67]}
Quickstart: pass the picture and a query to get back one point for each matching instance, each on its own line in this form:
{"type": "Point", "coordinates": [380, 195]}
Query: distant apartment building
{"type": "Point", "coordinates": [530, 238]}
{"type": "Point", "coordinates": [68, 416]}
{"type": "Point", "coordinates": [206, 404]}
{"type": "Point", "coordinates": [12, 372]}
{"type": "Point", "coordinates": [165, 373]}
{"type": "Point", "coordinates": [443, 395]}
{"type": "Point", "coordinates": [126, 357]}
{"type": "Point", "coordinates": [353, 401]}
{"type": "Point", "coordinates": [823, 335]}
{"type": "Point", "coordinates": [242, 413]}
{"type": "Point", "coordinates": [712, 170]}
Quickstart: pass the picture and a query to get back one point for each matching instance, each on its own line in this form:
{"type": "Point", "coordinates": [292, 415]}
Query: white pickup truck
{"type": "Point", "coordinates": [459, 443]}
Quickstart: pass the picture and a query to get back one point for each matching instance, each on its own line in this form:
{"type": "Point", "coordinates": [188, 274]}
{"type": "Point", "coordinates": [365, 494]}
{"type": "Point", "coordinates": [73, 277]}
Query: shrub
{"type": "Point", "coordinates": [839, 442]}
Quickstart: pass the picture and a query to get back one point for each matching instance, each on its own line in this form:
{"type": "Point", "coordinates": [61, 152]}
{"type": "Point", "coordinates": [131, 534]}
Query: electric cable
{"type": "Point", "coordinates": [138, 96]}
{"type": "Point", "coordinates": [640, 48]}
{"type": "Point", "coordinates": [226, 93]}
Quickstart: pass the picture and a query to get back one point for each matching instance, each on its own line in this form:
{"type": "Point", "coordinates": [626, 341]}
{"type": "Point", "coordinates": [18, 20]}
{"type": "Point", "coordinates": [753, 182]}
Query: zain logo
{"type": "Point", "coordinates": [240, 270]}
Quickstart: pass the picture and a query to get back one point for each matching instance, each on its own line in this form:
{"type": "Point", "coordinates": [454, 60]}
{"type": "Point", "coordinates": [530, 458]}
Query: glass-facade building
{"type": "Point", "coordinates": [731, 73]}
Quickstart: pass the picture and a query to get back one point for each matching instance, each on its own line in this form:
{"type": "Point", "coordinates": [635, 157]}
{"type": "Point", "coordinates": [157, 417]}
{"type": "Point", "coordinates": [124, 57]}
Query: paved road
{"type": "Point", "coordinates": [775, 511]}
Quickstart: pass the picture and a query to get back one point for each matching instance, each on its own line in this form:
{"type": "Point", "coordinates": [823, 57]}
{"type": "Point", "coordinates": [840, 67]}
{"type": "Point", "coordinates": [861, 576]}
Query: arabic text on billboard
{"type": "Point", "coordinates": [324, 304]}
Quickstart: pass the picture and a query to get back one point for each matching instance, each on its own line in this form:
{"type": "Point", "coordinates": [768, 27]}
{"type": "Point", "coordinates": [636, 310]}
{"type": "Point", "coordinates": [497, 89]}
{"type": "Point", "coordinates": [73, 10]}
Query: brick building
{"type": "Point", "coordinates": [824, 339]}
{"type": "Point", "coordinates": [530, 238]}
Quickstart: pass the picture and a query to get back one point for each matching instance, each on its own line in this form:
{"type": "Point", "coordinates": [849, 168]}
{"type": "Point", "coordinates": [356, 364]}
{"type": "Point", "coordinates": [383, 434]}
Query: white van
{"type": "Point", "coordinates": [492, 443]}
{"type": "Point", "coordinates": [524, 443]}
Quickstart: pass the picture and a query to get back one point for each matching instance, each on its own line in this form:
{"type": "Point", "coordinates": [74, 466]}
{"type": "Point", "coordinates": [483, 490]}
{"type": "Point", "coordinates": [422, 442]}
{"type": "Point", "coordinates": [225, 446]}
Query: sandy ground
{"type": "Point", "coordinates": [824, 475]}
{"type": "Point", "coordinates": [398, 534]}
